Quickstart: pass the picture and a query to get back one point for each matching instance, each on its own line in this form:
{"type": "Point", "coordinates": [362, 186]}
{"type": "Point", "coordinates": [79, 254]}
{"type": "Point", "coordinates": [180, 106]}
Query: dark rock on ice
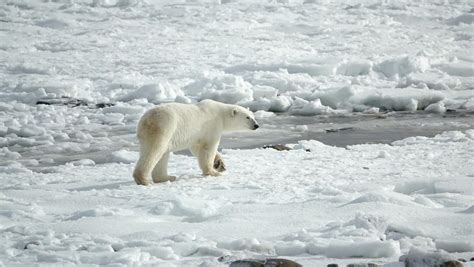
{"type": "Point", "coordinates": [363, 265]}
{"type": "Point", "coordinates": [339, 129]}
{"type": "Point", "coordinates": [70, 102]}
{"type": "Point", "coordinates": [425, 258]}
{"type": "Point", "coordinates": [278, 147]}
{"type": "Point", "coordinates": [104, 105]}
{"type": "Point", "coordinates": [452, 264]}
{"type": "Point", "coordinates": [63, 101]}
{"type": "Point", "coordinates": [31, 243]}
{"type": "Point", "coordinates": [265, 263]}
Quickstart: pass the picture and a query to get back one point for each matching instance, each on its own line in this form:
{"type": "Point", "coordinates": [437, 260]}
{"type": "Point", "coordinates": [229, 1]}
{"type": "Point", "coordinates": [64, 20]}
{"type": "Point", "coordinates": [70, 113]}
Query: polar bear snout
{"type": "Point", "coordinates": [253, 124]}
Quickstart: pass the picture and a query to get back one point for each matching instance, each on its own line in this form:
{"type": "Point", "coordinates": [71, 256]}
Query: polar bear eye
{"type": "Point", "coordinates": [248, 118]}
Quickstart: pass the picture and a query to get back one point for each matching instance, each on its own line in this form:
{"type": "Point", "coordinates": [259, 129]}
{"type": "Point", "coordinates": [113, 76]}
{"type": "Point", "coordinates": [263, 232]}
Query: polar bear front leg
{"type": "Point", "coordinates": [206, 154]}
{"type": "Point", "coordinates": [160, 172]}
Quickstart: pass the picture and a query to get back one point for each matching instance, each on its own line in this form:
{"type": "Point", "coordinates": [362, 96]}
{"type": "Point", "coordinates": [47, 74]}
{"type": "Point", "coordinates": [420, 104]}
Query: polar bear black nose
{"type": "Point", "coordinates": [255, 126]}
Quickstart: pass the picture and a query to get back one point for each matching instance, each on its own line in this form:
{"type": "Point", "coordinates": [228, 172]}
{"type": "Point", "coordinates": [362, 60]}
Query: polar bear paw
{"type": "Point", "coordinates": [164, 179]}
{"type": "Point", "coordinates": [142, 182]}
{"type": "Point", "coordinates": [219, 164]}
{"type": "Point", "coordinates": [140, 178]}
{"type": "Point", "coordinates": [212, 173]}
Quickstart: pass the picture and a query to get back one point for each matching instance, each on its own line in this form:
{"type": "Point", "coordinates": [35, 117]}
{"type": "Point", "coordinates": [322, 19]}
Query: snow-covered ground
{"type": "Point", "coordinates": [318, 206]}
{"type": "Point", "coordinates": [362, 68]}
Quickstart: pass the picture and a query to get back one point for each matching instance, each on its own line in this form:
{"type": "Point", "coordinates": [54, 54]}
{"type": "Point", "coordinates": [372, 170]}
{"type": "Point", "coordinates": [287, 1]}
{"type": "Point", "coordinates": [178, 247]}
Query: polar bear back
{"type": "Point", "coordinates": [183, 124]}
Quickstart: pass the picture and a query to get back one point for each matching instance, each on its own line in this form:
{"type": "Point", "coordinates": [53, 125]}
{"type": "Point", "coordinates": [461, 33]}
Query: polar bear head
{"type": "Point", "coordinates": [240, 119]}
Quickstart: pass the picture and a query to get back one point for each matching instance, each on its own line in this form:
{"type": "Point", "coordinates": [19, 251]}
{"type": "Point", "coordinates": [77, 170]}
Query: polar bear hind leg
{"type": "Point", "coordinates": [152, 150]}
{"type": "Point", "coordinates": [149, 157]}
{"type": "Point", "coordinates": [160, 172]}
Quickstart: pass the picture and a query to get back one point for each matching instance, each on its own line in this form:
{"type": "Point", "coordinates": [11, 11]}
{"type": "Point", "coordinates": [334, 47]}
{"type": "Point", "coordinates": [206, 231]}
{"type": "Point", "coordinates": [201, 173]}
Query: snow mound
{"type": "Point", "coordinates": [192, 210]}
{"type": "Point", "coordinates": [419, 187]}
{"type": "Point", "coordinates": [14, 167]}
{"type": "Point", "coordinates": [469, 210]}
{"type": "Point", "coordinates": [154, 93]}
{"type": "Point", "coordinates": [28, 68]}
{"type": "Point", "coordinates": [370, 249]}
{"type": "Point", "coordinates": [461, 186]}
{"type": "Point", "coordinates": [164, 253]}
{"type": "Point", "coordinates": [439, 108]}
{"type": "Point", "coordinates": [455, 246]}
{"type": "Point", "coordinates": [5, 106]}
{"type": "Point", "coordinates": [32, 90]}
{"type": "Point", "coordinates": [82, 162]}
{"type": "Point", "coordinates": [433, 79]}
{"type": "Point", "coordinates": [249, 244]}
{"type": "Point", "coordinates": [318, 68]}
{"type": "Point", "coordinates": [469, 104]}
{"type": "Point", "coordinates": [50, 248]}
{"type": "Point", "coordinates": [261, 114]}
{"type": "Point", "coordinates": [279, 103]}
{"type": "Point", "coordinates": [123, 156]}
{"type": "Point", "coordinates": [98, 212]}
{"type": "Point", "coordinates": [224, 88]}
{"type": "Point", "coordinates": [467, 18]}
{"type": "Point", "coordinates": [310, 145]}
{"type": "Point", "coordinates": [402, 66]}
{"type": "Point", "coordinates": [354, 68]}
{"type": "Point", "coordinates": [361, 237]}
{"type": "Point", "coordinates": [338, 98]}
{"type": "Point", "coordinates": [7, 154]}
{"type": "Point", "coordinates": [56, 46]}
{"type": "Point", "coordinates": [460, 68]}
{"type": "Point", "coordinates": [292, 248]}
{"type": "Point", "coordinates": [309, 108]}
{"type": "Point", "coordinates": [387, 197]}
{"type": "Point", "coordinates": [431, 188]}
{"type": "Point", "coordinates": [262, 91]}
{"type": "Point", "coordinates": [450, 136]}
{"type": "Point", "coordinates": [422, 257]}
{"type": "Point", "coordinates": [407, 99]}
{"type": "Point", "coordinates": [52, 23]}
{"type": "Point", "coordinates": [27, 131]}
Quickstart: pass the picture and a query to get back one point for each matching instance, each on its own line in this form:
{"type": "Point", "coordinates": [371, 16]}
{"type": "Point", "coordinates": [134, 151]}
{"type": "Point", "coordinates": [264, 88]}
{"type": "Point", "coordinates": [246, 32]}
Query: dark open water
{"type": "Point", "coordinates": [349, 129]}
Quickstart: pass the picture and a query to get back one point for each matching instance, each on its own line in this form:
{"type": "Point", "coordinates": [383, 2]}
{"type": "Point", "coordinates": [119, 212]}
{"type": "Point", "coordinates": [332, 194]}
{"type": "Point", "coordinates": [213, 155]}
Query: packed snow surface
{"type": "Point", "coordinates": [67, 195]}
{"type": "Point", "coordinates": [315, 204]}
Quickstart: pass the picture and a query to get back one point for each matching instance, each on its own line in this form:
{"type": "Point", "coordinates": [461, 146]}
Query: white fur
{"type": "Point", "coordinates": [173, 127]}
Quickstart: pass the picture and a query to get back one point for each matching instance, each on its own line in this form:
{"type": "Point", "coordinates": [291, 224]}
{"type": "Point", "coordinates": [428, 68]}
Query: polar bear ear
{"type": "Point", "coordinates": [234, 112]}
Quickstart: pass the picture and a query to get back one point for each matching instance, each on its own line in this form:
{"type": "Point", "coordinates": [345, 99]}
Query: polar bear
{"type": "Point", "coordinates": [197, 127]}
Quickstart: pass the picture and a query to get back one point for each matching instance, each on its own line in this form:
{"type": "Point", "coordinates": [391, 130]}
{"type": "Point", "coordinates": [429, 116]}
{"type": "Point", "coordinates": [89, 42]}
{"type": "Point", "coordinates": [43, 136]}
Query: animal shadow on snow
{"type": "Point", "coordinates": [101, 186]}
{"type": "Point", "coordinates": [181, 178]}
